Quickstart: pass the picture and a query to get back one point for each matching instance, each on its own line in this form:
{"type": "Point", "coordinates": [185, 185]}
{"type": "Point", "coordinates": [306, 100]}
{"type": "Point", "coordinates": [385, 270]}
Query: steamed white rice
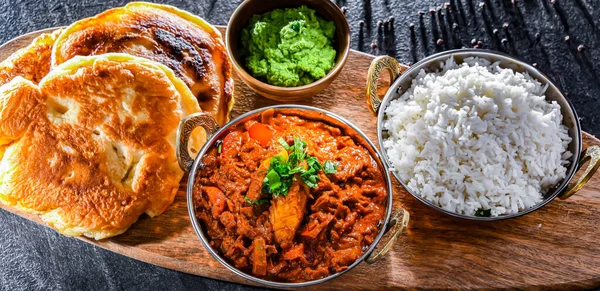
{"type": "Point", "coordinates": [476, 136]}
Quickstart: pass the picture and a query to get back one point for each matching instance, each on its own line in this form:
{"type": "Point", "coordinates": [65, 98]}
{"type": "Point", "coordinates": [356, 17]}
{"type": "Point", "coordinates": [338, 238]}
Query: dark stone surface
{"type": "Point", "coordinates": [35, 257]}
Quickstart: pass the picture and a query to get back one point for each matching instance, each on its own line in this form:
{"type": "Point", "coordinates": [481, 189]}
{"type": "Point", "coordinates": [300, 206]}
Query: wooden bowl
{"type": "Point", "coordinates": [325, 8]}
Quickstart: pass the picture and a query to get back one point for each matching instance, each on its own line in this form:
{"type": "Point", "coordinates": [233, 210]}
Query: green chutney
{"type": "Point", "coordinates": [289, 47]}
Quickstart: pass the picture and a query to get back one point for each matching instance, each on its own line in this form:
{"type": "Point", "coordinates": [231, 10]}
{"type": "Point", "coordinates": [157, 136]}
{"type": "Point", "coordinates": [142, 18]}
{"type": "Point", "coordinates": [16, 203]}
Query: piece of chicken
{"type": "Point", "coordinates": [287, 213]}
{"type": "Point", "coordinates": [217, 200]}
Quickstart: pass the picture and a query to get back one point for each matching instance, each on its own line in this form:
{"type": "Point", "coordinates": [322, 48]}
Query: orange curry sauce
{"type": "Point", "coordinates": [309, 234]}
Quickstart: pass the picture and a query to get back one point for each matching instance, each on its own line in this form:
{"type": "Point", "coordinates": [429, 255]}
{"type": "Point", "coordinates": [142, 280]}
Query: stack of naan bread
{"type": "Point", "coordinates": [89, 115]}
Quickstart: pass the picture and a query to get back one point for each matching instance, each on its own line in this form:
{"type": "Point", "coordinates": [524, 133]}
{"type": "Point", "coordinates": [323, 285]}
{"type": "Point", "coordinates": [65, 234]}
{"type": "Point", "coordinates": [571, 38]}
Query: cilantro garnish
{"type": "Point", "coordinates": [329, 167]}
{"type": "Point", "coordinates": [280, 174]}
{"type": "Point", "coordinates": [483, 212]}
{"type": "Point", "coordinates": [219, 146]}
{"type": "Point", "coordinates": [256, 202]}
{"type": "Point", "coordinates": [284, 144]}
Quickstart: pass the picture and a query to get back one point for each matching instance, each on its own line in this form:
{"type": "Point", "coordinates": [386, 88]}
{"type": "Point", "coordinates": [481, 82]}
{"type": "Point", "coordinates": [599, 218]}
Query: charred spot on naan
{"type": "Point", "coordinates": [183, 42]}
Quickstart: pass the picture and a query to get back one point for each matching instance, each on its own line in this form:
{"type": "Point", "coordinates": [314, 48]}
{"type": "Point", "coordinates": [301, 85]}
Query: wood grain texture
{"type": "Point", "coordinates": [554, 247]}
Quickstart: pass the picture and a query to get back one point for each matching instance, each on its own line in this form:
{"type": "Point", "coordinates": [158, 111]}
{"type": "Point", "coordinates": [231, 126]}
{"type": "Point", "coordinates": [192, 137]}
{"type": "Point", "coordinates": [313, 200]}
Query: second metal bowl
{"type": "Point", "coordinates": [402, 80]}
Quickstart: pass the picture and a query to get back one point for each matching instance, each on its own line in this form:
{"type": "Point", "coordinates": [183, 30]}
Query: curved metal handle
{"type": "Point", "coordinates": [397, 225]}
{"type": "Point", "coordinates": [377, 66]}
{"type": "Point", "coordinates": [591, 154]}
{"type": "Point", "coordinates": [186, 126]}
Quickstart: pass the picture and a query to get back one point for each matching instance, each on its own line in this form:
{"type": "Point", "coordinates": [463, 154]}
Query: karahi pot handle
{"type": "Point", "coordinates": [396, 226]}
{"type": "Point", "coordinates": [375, 70]}
{"type": "Point", "coordinates": [186, 126]}
{"type": "Point", "coordinates": [591, 154]}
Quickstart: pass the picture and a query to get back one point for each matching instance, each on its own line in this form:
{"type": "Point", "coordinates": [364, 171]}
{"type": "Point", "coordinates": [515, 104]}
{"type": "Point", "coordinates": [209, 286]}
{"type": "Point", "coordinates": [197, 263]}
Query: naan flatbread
{"type": "Point", "coordinates": [187, 44]}
{"type": "Point", "coordinates": [92, 146]}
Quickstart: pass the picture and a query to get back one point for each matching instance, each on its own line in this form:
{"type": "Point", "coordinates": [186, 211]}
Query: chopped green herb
{"type": "Point", "coordinates": [280, 174]}
{"type": "Point", "coordinates": [313, 163]}
{"type": "Point", "coordinates": [284, 144]}
{"type": "Point", "coordinates": [278, 179]}
{"type": "Point", "coordinates": [273, 180]}
{"type": "Point", "coordinates": [483, 212]}
{"type": "Point", "coordinates": [295, 170]}
{"type": "Point", "coordinates": [266, 189]}
{"type": "Point", "coordinates": [329, 167]}
{"type": "Point", "coordinates": [279, 165]}
{"type": "Point", "coordinates": [219, 148]}
{"type": "Point", "coordinates": [292, 160]}
{"type": "Point", "coordinates": [299, 150]}
{"type": "Point", "coordinates": [256, 202]}
{"type": "Point", "coordinates": [310, 179]}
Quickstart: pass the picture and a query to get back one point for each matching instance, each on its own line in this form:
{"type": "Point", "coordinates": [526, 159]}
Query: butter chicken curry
{"type": "Point", "coordinates": [289, 199]}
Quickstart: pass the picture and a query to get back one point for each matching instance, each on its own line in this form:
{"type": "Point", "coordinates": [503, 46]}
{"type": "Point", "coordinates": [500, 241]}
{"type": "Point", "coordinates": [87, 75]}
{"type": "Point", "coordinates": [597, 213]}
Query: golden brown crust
{"type": "Point", "coordinates": [185, 43]}
{"type": "Point", "coordinates": [19, 104]}
{"type": "Point", "coordinates": [31, 62]}
{"type": "Point", "coordinates": [96, 147]}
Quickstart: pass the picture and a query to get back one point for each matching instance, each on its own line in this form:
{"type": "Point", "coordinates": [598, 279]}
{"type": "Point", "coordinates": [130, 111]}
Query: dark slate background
{"type": "Point", "coordinates": [33, 257]}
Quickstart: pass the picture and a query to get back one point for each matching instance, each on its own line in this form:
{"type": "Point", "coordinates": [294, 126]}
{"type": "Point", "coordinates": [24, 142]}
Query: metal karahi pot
{"type": "Point", "coordinates": [395, 222]}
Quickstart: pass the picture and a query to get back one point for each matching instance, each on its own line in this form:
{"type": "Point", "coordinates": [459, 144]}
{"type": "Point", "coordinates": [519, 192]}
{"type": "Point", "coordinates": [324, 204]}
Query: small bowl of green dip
{"type": "Point", "coordinates": [288, 50]}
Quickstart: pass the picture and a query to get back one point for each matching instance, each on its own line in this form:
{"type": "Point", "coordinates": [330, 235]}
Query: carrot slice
{"type": "Point", "coordinates": [261, 133]}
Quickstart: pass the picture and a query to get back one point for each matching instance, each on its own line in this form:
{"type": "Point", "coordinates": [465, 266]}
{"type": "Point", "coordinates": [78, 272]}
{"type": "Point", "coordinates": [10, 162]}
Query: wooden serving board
{"type": "Point", "coordinates": [557, 246]}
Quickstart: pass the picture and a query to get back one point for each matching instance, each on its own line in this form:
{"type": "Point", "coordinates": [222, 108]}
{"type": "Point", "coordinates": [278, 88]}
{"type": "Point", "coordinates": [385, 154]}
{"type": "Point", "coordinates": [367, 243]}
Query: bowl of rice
{"type": "Point", "coordinates": [479, 135]}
